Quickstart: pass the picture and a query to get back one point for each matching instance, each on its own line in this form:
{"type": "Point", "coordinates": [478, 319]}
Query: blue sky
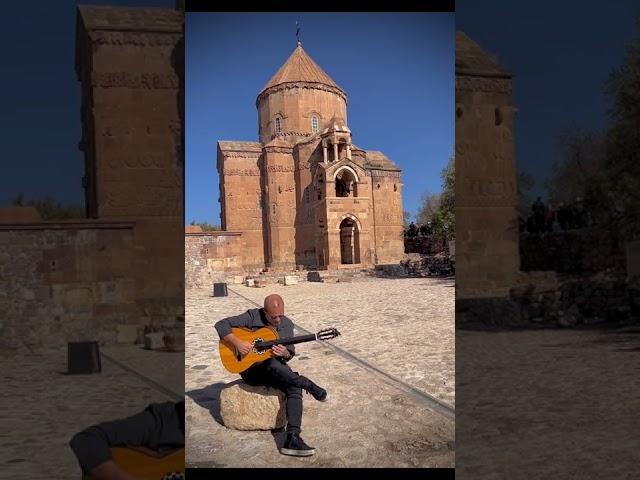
{"type": "Point", "coordinates": [561, 54]}
{"type": "Point", "coordinates": [397, 70]}
{"type": "Point", "coordinates": [40, 122]}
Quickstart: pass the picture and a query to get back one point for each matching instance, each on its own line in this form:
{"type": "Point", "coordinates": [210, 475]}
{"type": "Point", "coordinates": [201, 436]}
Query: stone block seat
{"type": "Point", "coordinates": [244, 407]}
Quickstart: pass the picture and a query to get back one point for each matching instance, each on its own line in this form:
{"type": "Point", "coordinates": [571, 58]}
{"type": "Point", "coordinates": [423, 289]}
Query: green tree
{"type": "Point", "coordinates": [206, 226]}
{"type": "Point", "coordinates": [430, 203]}
{"type": "Point", "coordinates": [525, 183]}
{"type": "Point", "coordinates": [50, 209]}
{"type": "Point", "coordinates": [620, 185]}
{"type": "Point", "coordinates": [579, 163]}
{"type": "Point", "coordinates": [407, 218]}
{"type": "Point", "coordinates": [445, 218]}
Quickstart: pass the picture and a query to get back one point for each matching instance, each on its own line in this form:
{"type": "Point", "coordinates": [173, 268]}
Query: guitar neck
{"type": "Point", "coordinates": [289, 341]}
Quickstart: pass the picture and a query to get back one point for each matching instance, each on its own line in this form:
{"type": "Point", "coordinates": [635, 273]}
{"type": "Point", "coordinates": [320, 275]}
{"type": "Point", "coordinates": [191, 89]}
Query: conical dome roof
{"type": "Point", "coordinates": [336, 124]}
{"type": "Point", "coordinates": [471, 59]}
{"type": "Point", "coordinates": [299, 67]}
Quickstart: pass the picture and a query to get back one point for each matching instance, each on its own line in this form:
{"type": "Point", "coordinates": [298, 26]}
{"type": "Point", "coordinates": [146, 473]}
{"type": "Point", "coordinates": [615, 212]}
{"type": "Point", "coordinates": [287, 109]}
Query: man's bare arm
{"type": "Point", "coordinates": [241, 345]}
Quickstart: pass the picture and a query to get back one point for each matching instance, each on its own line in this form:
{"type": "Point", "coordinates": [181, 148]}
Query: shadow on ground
{"type": "Point", "coordinates": [209, 398]}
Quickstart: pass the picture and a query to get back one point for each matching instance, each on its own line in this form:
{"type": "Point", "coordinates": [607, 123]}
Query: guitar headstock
{"type": "Point", "coordinates": [327, 334]}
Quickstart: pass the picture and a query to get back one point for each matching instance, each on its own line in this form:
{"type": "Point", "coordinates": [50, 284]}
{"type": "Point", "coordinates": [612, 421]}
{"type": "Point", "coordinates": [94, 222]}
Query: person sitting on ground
{"type": "Point", "coordinates": [274, 372]}
{"type": "Point", "coordinates": [159, 428]}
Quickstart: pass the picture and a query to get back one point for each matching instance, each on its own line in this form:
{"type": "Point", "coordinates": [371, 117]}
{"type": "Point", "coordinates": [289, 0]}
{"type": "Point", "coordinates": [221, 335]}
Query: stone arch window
{"type": "Point", "coordinates": [315, 124]}
{"type": "Point", "coordinates": [459, 112]}
{"type": "Point", "coordinates": [346, 183]}
{"type": "Point", "coordinates": [278, 123]}
{"type": "Point", "coordinates": [342, 189]}
{"type": "Point", "coordinates": [395, 187]}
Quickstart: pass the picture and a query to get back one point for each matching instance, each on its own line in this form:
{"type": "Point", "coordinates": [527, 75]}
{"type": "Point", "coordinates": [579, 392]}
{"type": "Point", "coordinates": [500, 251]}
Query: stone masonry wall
{"type": "Point", "coordinates": [604, 297]}
{"type": "Point", "coordinates": [211, 257]}
{"type": "Point", "coordinates": [549, 300]}
{"type": "Point", "coordinates": [572, 251]}
{"type": "Point", "coordinates": [389, 219]}
{"type": "Point", "coordinates": [297, 114]}
{"type": "Point", "coordinates": [428, 245]}
{"type": "Point", "coordinates": [65, 282]}
{"type": "Point", "coordinates": [129, 62]}
{"type": "Point", "coordinates": [242, 201]}
{"type": "Point", "coordinates": [487, 262]}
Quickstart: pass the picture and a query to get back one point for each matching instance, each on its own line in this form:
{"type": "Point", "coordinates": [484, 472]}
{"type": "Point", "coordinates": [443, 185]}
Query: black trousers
{"type": "Point", "coordinates": [276, 374]}
{"type": "Point", "coordinates": [159, 427]}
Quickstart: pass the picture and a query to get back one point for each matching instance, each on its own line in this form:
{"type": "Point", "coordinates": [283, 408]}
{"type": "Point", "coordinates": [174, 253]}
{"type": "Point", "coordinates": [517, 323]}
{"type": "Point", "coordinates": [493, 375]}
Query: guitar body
{"type": "Point", "coordinates": [236, 363]}
{"type": "Point", "coordinates": [144, 466]}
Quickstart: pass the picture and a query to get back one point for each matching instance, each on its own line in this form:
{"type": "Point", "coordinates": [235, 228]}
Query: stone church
{"type": "Point", "coordinates": [305, 195]}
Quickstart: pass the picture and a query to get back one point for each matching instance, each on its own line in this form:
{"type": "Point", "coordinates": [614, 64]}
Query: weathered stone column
{"type": "Point", "coordinates": [141, 182]}
{"type": "Point", "coordinates": [280, 200]}
{"type": "Point", "coordinates": [487, 260]}
{"type": "Point", "coordinates": [334, 249]}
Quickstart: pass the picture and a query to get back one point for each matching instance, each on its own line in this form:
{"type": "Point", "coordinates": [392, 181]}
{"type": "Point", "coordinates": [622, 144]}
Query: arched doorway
{"type": "Point", "coordinates": [349, 242]}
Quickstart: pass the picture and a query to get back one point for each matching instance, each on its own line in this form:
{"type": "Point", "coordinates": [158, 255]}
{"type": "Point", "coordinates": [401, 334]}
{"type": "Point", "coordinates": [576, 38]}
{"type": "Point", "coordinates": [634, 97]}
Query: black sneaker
{"type": "Point", "coordinates": [294, 445]}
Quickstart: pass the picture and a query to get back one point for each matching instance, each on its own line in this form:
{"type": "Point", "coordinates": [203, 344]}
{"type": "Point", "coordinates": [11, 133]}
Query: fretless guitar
{"type": "Point", "coordinates": [262, 340]}
{"type": "Point", "coordinates": [148, 465]}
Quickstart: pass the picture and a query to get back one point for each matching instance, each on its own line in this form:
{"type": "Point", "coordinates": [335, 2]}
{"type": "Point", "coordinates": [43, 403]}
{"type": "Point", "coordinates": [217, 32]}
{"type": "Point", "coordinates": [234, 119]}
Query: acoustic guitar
{"type": "Point", "coordinates": [146, 464]}
{"type": "Point", "coordinates": [262, 339]}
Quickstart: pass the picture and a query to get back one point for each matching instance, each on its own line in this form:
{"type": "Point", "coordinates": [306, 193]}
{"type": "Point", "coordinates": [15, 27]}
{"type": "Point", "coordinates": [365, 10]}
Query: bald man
{"type": "Point", "coordinates": [274, 372]}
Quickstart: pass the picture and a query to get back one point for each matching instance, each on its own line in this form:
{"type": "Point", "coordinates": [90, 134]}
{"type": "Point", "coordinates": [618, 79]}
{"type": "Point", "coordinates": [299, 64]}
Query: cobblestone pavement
{"type": "Point", "coordinates": [42, 407]}
{"type": "Point", "coordinates": [366, 421]}
{"type": "Point", "coordinates": [548, 404]}
{"type": "Point", "coordinates": [165, 369]}
{"type": "Point", "coordinates": [402, 326]}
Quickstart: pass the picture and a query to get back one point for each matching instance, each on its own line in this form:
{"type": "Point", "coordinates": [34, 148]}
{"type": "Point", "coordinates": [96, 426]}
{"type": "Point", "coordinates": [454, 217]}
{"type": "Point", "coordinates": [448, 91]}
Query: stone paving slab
{"type": "Point", "coordinates": [42, 408]}
{"type": "Point", "coordinates": [366, 422]}
{"type": "Point", "coordinates": [548, 404]}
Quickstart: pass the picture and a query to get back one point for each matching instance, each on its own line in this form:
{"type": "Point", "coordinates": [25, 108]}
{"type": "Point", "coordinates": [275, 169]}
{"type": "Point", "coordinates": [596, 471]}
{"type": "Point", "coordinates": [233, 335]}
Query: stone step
{"type": "Point", "coordinates": [299, 276]}
{"type": "Point", "coordinates": [336, 276]}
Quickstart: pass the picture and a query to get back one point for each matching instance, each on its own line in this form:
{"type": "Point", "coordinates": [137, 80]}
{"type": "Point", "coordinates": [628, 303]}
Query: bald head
{"type": "Point", "coordinates": [274, 309]}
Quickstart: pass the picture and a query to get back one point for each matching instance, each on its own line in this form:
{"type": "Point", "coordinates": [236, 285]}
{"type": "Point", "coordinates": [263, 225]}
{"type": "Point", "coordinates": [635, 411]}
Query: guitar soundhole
{"type": "Point", "coordinates": [258, 351]}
